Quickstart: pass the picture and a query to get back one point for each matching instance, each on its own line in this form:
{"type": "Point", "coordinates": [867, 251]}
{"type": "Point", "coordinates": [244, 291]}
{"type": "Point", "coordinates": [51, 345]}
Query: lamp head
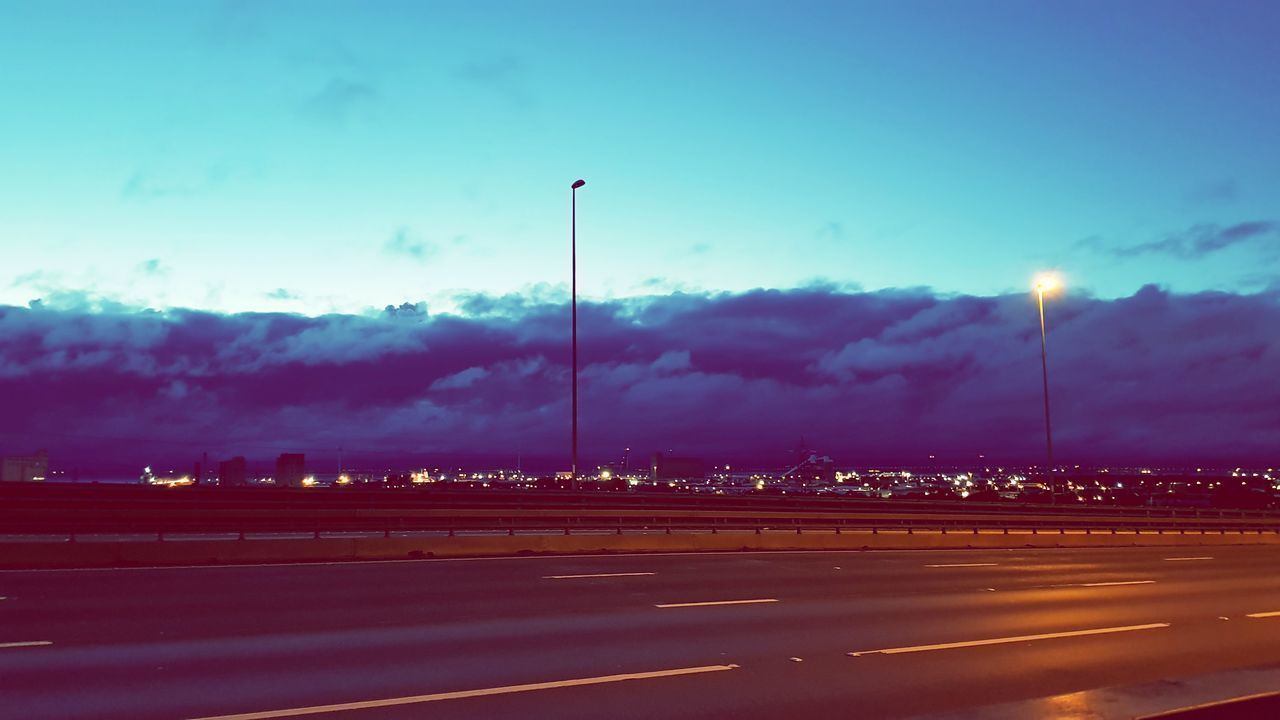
{"type": "Point", "coordinates": [577, 184]}
{"type": "Point", "coordinates": [1047, 282]}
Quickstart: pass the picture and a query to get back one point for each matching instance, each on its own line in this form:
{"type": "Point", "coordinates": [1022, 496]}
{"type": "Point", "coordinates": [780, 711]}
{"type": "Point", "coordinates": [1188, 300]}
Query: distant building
{"type": "Point", "coordinates": [233, 472]}
{"type": "Point", "coordinates": [677, 468]}
{"type": "Point", "coordinates": [818, 469]}
{"type": "Point", "coordinates": [25, 468]}
{"type": "Point", "coordinates": [290, 469]}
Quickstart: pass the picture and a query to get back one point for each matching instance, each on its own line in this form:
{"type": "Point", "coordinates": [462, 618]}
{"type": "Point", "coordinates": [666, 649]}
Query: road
{"type": "Point", "coordinates": [743, 635]}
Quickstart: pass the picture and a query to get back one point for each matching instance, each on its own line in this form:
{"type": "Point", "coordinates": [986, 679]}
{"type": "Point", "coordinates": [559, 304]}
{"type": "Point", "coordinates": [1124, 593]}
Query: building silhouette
{"type": "Point", "coordinates": [25, 468]}
{"type": "Point", "coordinates": [233, 472]}
{"type": "Point", "coordinates": [290, 469]}
{"type": "Point", "coordinates": [677, 468]}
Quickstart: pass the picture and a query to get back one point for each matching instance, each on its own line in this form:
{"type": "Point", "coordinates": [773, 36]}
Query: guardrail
{"type": "Point", "coordinates": [77, 511]}
{"type": "Point", "coordinates": [386, 523]}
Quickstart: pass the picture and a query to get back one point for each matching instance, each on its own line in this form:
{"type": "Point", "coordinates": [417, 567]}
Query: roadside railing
{"type": "Point", "coordinates": [33, 523]}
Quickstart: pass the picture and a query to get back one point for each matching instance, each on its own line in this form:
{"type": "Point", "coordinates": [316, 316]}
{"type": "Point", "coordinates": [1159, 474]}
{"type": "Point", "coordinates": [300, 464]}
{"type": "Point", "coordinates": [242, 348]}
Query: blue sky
{"type": "Point", "coordinates": [323, 157]}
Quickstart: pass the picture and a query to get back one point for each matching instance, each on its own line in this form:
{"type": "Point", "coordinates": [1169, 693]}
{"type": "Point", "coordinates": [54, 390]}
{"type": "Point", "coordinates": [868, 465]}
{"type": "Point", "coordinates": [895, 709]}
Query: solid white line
{"type": "Point", "coordinates": [716, 602]}
{"type": "Point", "coordinates": [1264, 614]}
{"type": "Point", "coordinates": [597, 575]}
{"type": "Point", "coordinates": [415, 699]}
{"type": "Point", "coordinates": [1101, 584]}
{"type": "Point", "coordinates": [1000, 641]}
{"type": "Point", "coordinates": [963, 565]}
{"type": "Point", "coordinates": [1188, 558]}
{"type": "Point", "coordinates": [31, 643]}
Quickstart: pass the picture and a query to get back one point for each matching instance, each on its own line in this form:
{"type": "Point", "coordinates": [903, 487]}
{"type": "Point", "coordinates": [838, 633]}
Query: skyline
{"type": "Point", "coordinates": [312, 158]}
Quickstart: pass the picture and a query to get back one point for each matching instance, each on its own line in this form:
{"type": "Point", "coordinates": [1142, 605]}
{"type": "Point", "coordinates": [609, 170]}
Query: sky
{"type": "Point", "coordinates": [319, 157]}
{"type": "Point", "coordinates": [201, 195]}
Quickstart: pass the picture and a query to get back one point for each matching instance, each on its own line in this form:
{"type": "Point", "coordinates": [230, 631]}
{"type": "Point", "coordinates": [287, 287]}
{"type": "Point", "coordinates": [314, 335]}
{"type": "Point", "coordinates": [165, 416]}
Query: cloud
{"type": "Point", "coordinates": [339, 100]}
{"type": "Point", "coordinates": [506, 77]}
{"type": "Point", "coordinates": [1221, 192]}
{"type": "Point", "coordinates": [152, 268]}
{"type": "Point", "coordinates": [404, 243]}
{"type": "Point", "coordinates": [831, 230]}
{"type": "Point", "coordinates": [282, 294]}
{"type": "Point", "coordinates": [233, 24]}
{"type": "Point", "coordinates": [1195, 242]}
{"type": "Point", "coordinates": [869, 377]}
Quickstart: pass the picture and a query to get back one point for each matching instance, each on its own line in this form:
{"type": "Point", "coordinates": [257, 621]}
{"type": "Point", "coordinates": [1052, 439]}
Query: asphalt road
{"type": "Point", "coordinates": [814, 634]}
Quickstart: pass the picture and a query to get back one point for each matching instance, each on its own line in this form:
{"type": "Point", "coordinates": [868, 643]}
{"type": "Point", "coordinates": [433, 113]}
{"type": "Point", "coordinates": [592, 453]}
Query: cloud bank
{"type": "Point", "coordinates": [869, 377]}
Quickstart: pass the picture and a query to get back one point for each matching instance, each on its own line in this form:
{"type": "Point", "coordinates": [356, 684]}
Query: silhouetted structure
{"type": "Point", "coordinates": [677, 468]}
{"type": "Point", "coordinates": [290, 469]}
{"type": "Point", "coordinates": [815, 468]}
{"type": "Point", "coordinates": [233, 472]}
{"type": "Point", "coordinates": [25, 468]}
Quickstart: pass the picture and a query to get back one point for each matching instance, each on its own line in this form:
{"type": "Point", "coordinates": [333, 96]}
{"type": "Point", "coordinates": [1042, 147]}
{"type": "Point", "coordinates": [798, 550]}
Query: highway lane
{"type": "Point", "coordinates": [761, 634]}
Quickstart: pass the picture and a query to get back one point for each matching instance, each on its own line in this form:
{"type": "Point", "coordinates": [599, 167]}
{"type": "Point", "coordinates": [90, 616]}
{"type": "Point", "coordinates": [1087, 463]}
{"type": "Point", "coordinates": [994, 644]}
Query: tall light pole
{"type": "Point", "coordinates": [1045, 283]}
{"type": "Point", "coordinates": [573, 260]}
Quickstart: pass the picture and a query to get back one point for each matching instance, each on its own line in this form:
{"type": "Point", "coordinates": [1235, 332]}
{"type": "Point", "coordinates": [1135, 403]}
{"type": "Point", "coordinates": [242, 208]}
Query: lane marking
{"type": "Point", "coordinates": [30, 643]}
{"type": "Point", "coordinates": [1264, 614]}
{"type": "Point", "coordinates": [963, 565]}
{"type": "Point", "coordinates": [716, 602]}
{"type": "Point", "coordinates": [416, 699]}
{"type": "Point", "coordinates": [1100, 584]}
{"type": "Point", "coordinates": [597, 575]}
{"type": "Point", "coordinates": [1177, 559]}
{"type": "Point", "coordinates": [1001, 641]}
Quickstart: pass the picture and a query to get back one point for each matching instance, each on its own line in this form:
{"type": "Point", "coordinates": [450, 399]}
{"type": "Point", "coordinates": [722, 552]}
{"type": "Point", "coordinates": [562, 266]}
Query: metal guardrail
{"type": "Point", "coordinates": [72, 511]}
{"type": "Point", "coordinates": [513, 522]}
{"type": "Point", "coordinates": [567, 530]}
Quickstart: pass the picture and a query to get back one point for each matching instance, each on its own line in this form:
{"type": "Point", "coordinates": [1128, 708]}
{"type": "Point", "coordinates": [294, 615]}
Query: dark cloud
{"type": "Point", "coordinates": [1198, 240]}
{"type": "Point", "coordinates": [869, 377]}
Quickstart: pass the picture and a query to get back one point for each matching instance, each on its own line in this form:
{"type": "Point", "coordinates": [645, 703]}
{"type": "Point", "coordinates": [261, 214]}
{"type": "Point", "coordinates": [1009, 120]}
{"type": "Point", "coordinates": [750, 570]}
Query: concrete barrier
{"type": "Point", "coordinates": [214, 552]}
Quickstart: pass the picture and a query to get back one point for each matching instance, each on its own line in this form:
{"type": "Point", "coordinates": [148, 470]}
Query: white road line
{"type": "Point", "coordinates": [597, 575]}
{"type": "Point", "coordinates": [1188, 558]}
{"type": "Point", "coordinates": [415, 699]}
{"type": "Point", "coordinates": [1001, 641]}
{"type": "Point", "coordinates": [1100, 584]}
{"type": "Point", "coordinates": [716, 602]}
{"type": "Point", "coordinates": [30, 643]}
{"type": "Point", "coordinates": [1264, 614]}
{"type": "Point", "coordinates": [963, 565]}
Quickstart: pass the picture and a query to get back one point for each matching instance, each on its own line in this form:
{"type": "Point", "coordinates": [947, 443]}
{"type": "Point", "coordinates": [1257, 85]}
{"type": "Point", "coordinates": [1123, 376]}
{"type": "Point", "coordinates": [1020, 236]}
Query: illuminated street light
{"type": "Point", "coordinates": [1043, 284]}
{"type": "Point", "coordinates": [573, 259]}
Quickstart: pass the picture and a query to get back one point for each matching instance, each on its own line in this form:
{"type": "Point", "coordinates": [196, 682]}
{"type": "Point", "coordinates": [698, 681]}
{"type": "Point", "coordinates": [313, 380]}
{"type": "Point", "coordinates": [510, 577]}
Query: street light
{"type": "Point", "coordinates": [1043, 284]}
{"type": "Point", "coordinates": [573, 259]}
